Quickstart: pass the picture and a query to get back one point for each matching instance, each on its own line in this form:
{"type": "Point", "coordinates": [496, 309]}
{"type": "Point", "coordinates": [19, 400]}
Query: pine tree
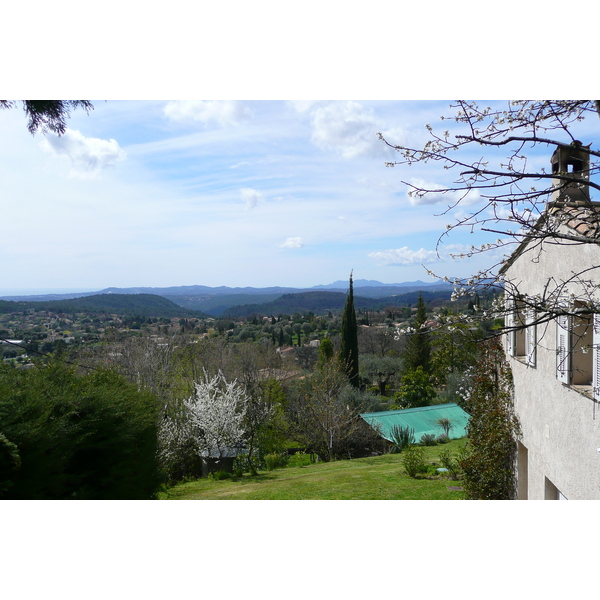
{"type": "Point", "coordinates": [349, 341]}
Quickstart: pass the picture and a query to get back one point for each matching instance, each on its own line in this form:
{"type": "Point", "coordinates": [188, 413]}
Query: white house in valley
{"type": "Point", "coordinates": [556, 361]}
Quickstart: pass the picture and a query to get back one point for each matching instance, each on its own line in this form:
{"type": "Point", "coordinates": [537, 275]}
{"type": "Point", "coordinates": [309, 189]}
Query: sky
{"type": "Point", "coordinates": [258, 184]}
{"type": "Point", "coordinates": [209, 192]}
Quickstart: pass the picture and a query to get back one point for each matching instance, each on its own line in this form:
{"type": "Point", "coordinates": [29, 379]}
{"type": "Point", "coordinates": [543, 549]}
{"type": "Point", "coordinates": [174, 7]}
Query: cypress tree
{"type": "Point", "coordinates": [418, 345]}
{"type": "Point", "coordinates": [349, 338]}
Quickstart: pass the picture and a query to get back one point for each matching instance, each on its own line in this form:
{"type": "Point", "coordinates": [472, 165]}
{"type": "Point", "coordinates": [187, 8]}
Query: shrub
{"type": "Point", "coordinates": [448, 462]}
{"type": "Point", "coordinates": [414, 460]}
{"type": "Point", "coordinates": [79, 437]}
{"type": "Point", "coordinates": [402, 437]}
{"type": "Point", "coordinates": [242, 465]}
{"type": "Point", "coordinates": [276, 461]}
{"type": "Point", "coordinates": [428, 439]}
{"type": "Point", "coordinates": [488, 459]}
{"type": "Point", "coordinates": [10, 461]}
{"type": "Point", "coordinates": [300, 459]}
{"type": "Point", "coordinates": [442, 439]}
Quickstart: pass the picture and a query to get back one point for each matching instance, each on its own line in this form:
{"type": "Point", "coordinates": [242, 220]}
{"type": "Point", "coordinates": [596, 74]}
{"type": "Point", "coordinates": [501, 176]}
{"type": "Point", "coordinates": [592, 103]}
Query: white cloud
{"type": "Point", "coordinates": [292, 242]}
{"type": "Point", "coordinates": [89, 155]}
{"type": "Point", "coordinates": [404, 257]}
{"type": "Point", "coordinates": [348, 128]}
{"type": "Point", "coordinates": [223, 112]}
{"type": "Point", "coordinates": [251, 197]}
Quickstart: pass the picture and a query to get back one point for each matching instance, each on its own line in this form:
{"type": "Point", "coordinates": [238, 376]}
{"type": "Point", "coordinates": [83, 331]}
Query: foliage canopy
{"type": "Point", "coordinates": [78, 437]}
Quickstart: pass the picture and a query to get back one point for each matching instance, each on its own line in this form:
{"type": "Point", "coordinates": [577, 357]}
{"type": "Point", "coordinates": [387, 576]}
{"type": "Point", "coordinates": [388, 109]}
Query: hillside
{"type": "Point", "coordinates": [215, 301]}
{"type": "Point", "coordinates": [321, 302]}
{"type": "Point", "coordinates": [146, 305]}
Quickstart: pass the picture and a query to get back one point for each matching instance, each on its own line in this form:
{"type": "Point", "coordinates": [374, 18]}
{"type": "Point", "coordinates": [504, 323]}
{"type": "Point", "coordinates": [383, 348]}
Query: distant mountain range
{"type": "Point", "coordinates": [146, 305]}
{"type": "Point", "coordinates": [321, 302]}
{"type": "Point", "coordinates": [216, 301]}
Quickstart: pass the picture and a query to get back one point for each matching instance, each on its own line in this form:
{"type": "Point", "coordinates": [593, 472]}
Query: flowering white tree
{"type": "Point", "coordinates": [210, 421]}
{"type": "Point", "coordinates": [216, 413]}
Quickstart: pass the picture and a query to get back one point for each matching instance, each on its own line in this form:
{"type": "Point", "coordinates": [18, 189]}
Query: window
{"type": "Point", "coordinates": [578, 350]}
{"type": "Point", "coordinates": [551, 492]}
{"type": "Point", "coordinates": [522, 335]}
{"type": "Point", "coordinates": [515, 324]}
{"type": "Point", "coordinates": [530, 337]}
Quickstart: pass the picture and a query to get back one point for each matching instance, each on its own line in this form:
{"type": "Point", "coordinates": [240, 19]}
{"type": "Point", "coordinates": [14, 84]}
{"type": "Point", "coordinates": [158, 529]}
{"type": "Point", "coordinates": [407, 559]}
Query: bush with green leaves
{"type": "Point", "coordinates": [450, 463]}
{"type": "Point", "coordinates": [416, 389]}
{"type": "Point", "coordinates": [488, 460]}
{"type": "Point", "coordinates": [301, 459]}
{"type": "Point", "coordinates": [428, 439]}
{"type": "Point", "coordinates": [413, 460]}
{"type": "Point", "coordinates": [87, 436]}
{"type": "Point", "coordinates": [402, 437]}
{"type": "Point", "coordinates": [276, 461]}
{"type": "Point", "coordinates": [10, 461]}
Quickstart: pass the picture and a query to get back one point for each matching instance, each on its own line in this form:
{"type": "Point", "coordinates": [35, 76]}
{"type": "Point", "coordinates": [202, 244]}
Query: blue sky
{"type": "Point", "coordinates": [261, 192]}
{"type": "Point", "coordinates": [236, 193]}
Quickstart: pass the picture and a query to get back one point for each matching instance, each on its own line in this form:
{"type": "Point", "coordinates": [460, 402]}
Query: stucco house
{"type": "Point", "coordinates": [556, 361]}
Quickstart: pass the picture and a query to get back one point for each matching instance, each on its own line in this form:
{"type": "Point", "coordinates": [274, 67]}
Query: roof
{"type": "Point", "coordinates": [581, 220]}
{"type": "Point", "coordinates": [422, 420]}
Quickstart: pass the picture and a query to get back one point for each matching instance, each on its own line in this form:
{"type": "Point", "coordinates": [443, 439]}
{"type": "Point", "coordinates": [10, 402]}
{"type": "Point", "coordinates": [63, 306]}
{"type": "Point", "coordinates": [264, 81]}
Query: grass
{"type": "Point", "coordinates": [376, 478]}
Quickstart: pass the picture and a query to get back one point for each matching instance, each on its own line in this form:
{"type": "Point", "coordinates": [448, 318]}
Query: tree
{"type": "Point", "coordinates": [378, 340]}
{"type": "Point", "coordinates": [379, 369]}
{"type": "Point", "coordinates": [506, 195]}
{"type": "Point", "coordinates": [325, 351]}
{"type": "Point", "coordinates": [489, 458]}
{"type": "Point", "coordinates": [455, 349]}
{"type": "Point", "coordinates": [87, 436]}
{"type": "Point", "coordinates": [210, 424]}
{"type": "Point", "coordinates": [216, 411]}
{"type": "Point", "coordinates": [320, 416]}
{"type": "Point", "coordinates": [417, 352]}
{"type": "Point", "coordinates": [416, 389]}
{"type": "Point", "coordinates": [349, 338]}
{"type": "Point", "coordinates": [48, 115]}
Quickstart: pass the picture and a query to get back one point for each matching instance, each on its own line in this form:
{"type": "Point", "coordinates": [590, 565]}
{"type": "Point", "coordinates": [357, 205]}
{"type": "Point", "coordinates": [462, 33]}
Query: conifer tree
{"type": "Point", "coordinates": [418, 344]}
{"type": "Point", "coordinates": [326, 351]}
{"type": "Point", "coordinates": [349, 338]}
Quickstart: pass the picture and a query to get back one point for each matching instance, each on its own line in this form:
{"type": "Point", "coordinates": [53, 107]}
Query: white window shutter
{"type": "Point", "coordinates": [530, 337]}
{"type": "Point", "coordinates": [510, 322]}
{"type": "Point", "coordinates": [596, 355]}
{"type": "Point", "coordinates": [563, 348]}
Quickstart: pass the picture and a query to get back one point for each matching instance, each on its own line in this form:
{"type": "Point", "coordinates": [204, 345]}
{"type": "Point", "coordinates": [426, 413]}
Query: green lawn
{"type": "Point", "coordinates": [377, 478]}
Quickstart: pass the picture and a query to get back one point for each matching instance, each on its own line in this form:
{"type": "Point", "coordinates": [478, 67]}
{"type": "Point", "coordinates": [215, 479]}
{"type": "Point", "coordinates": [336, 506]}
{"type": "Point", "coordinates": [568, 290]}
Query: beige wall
{"type": "Point", "coordinates": [560, 425]}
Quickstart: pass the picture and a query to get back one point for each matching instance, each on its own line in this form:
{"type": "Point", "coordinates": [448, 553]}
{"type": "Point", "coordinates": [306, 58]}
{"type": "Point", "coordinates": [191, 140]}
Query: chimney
{"type": "Point", "coordinates": [572, 161]}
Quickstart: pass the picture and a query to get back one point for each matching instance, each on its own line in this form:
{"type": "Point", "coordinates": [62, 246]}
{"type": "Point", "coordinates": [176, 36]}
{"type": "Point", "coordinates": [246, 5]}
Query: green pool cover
{"type": "Point", "coordinates": [422, 420]}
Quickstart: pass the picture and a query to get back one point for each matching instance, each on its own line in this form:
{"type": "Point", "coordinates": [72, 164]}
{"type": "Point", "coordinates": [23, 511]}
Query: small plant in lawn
{"type": "Point", "coordinates": [448, 462]}
{"type": "Point", "coordinates": [428, 439]}
{"type": "Point", "coordinates": [402, 437]}
{"type": "Point", "coordinates": [414, 460]}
